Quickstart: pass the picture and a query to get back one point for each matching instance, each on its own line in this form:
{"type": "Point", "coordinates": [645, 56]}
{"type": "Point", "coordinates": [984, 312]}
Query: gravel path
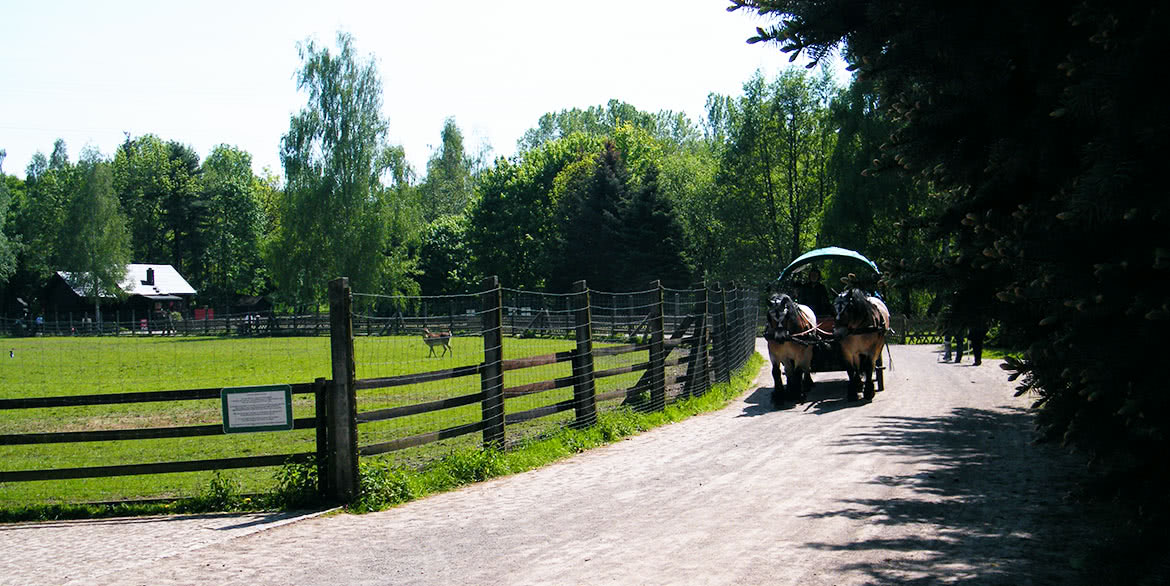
{"type": "Point", "coordinates": [934, 481]}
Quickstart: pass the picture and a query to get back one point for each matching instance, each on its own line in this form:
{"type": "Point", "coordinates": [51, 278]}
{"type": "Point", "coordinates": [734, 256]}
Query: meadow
{"type": "Point", "coordinates": [47, 366]}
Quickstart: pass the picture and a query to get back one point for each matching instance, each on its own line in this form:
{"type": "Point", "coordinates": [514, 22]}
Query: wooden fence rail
{"type": "Point", "coordinates": [718, 334]}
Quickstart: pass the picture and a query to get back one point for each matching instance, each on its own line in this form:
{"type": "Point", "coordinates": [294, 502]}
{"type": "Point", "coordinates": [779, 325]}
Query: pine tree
{"type": "Point", "coordinates": [652, 238]}
{"type": "Point", "coordinates": [589, 239]}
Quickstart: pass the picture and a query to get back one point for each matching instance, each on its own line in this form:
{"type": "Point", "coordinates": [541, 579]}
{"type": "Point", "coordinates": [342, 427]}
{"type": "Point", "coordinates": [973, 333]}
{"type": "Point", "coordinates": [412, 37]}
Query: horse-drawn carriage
{"type": "Point", "coordinates": [808, 334]}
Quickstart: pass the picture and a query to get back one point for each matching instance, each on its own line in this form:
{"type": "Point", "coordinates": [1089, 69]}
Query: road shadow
{"type": "Point", "coordinates": [758, 403]}
{"type": "Point", "coordinates": [988, 506]}
{"type": "Point", "coordinates": [825, 397]}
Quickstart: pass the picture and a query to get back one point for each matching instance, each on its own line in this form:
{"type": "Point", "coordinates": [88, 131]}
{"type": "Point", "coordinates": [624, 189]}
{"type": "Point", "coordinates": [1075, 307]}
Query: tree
{"type": "Point", "coordinates": [873, 212]}
{"type": "Point", "coordinates": [652, 239]}
{"type": "Point", "coordinates": [37, 218]}
{"type": "Point", "coordinates": [230, 262]}
{"type": "Point", "coordinates": [7, 248]}
{"type": "Point", "coordinates": [771, 183]}
{"type": "Point", "coordinates": [589, 233]}
{"type": "Point", "coordinates": [596, 120]}
{"type": "Point", "coordinates": [157, 185]}
{"type": "Point", "coordinates": [1036, 130]}
{"type": "Point", "coordinates": [333, 215]}
{"type": "Point", "coordinates": [94, 241]}
{"type": "Point", "coordinates": [445, 259]}
{"type": "Point", "coordinates": [513, 219]}
{"type": "Point", "coordinates": [449, 183]}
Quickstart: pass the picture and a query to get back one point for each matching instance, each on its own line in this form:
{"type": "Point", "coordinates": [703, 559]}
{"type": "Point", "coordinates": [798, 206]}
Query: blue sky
{"type": "Point", "coordinates": [222, 72]}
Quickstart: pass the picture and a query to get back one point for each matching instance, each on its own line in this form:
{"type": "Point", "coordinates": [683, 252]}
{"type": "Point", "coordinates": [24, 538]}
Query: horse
{"type": "Point", "coordinates": [861, 326]}
{"type": "Point", "coordinates": [432, 339]}
{"type": "Point", "coordinates": [788, 322]}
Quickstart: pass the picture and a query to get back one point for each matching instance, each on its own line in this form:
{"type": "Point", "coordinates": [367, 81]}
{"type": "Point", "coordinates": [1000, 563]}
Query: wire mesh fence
{"type": "Point", "coordinates": [433, 374]}
{"type": "Point", "coordinates": [554, 348]}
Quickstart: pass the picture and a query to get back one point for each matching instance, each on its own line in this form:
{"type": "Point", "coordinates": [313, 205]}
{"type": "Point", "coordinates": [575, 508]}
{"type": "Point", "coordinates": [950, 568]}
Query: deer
{"type": "Point", "coordinates": [432, 339]}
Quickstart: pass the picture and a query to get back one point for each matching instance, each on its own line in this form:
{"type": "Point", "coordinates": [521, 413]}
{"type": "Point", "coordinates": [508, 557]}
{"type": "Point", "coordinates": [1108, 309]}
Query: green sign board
{"type": "Point", "coordinates": [263, 408]}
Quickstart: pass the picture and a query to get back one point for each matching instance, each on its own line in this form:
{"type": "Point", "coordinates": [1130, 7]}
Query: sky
{"type": "Point", "coordinates": [218, 72]}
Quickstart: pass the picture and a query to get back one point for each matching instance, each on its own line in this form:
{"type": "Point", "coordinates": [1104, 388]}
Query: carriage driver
{"type": "Point", "coordinates": [813, 294]}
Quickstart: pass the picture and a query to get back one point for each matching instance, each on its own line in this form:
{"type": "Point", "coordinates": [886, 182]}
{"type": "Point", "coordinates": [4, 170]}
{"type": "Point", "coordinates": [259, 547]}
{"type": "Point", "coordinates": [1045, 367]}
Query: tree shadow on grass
{"type": "Point", "coordinates": [987, 506]}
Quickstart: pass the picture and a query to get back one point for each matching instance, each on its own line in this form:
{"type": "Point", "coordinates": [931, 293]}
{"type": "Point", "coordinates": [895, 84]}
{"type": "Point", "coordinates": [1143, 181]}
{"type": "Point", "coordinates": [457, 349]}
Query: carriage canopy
{"type": "Point", "coordinates": [829, 252]}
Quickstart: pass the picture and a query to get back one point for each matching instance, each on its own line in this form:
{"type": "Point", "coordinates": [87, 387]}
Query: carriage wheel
{"type": "Point", "coordinates": [881, 370]}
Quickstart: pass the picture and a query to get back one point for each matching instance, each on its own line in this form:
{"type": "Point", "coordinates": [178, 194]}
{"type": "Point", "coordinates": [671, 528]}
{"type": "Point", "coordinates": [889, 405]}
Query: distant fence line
{"type": "Point", "coordinates": [538, 317]}
{"type": "Point", "coordinates": [689, 339]}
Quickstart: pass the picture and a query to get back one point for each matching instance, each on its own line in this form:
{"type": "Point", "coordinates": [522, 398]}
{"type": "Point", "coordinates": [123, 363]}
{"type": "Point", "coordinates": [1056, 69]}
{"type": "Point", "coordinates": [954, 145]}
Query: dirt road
{"type": "Point", "coordinates": [934, 481]}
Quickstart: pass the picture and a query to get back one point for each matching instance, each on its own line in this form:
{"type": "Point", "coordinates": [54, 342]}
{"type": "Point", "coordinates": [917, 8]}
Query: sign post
{"type": "Point", "coordinates": [262, 408]}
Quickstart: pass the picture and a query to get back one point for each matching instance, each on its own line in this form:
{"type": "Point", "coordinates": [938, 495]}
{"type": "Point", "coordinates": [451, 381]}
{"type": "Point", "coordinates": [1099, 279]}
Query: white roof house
{"type": "Point", "coordinates": [159, 282]}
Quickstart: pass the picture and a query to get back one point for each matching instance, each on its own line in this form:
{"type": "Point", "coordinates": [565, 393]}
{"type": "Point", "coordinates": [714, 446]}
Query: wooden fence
{"type": "Point", "coordinates": [718, 331]}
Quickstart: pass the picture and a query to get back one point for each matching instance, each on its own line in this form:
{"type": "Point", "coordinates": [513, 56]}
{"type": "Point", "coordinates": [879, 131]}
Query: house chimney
{"type": "Point", "coordinates": [149, 277]}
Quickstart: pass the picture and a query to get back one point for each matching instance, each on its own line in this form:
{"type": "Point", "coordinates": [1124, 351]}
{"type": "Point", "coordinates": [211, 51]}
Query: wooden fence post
{"type": "Point", "coordinates": [657, 367]}
{"type": "Point", "coordinates": [342, 404]}
{"type": "Point", "coordinates": [321, 413]}
{"type": "Point", "coordinates": [584, 392]}
{"type": "Point", "coordinates": [492, 372]}
{"type": "Point", "coordinates": [698, 379]}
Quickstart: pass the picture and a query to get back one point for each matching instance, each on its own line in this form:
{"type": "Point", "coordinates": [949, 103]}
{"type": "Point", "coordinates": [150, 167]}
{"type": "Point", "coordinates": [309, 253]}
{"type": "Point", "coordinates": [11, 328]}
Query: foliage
{"type": "Point", "coordinates": [449, 184]}
{"type": "Point", "coordinates": [7, 247]}
{"type": "Point", "coordinates": [221, 494]}
{"type": "Point", "coordinates": [37, 217]}
{"type": "Point", "coordinates": [772, 181]}
{"type": "Point", "coordinates": [873, 212]}
{"type": "Point", "coordinates": [294, 487]}
{"type": "Point", "coordinates": [157, 185]}
{"type": "Point", "coordinates": [1038, 133]}
{"type": "Point", "coordinates": [445, 259]}
{"type": "Point", "coordinates": [512, 216]}
{"type": "Point", "coordinates": [230, 262]}
{"type": "Point", "coordinates": [653, 244]}
{"type": "Point", "coordinates": [382, 485]}
{"type": "Point", "coordinates": [599, 121]}
{"type": "Point", "coordinates": [334, 211]}
{"type": "Point", "coordinates": [590, 225]}
{"type": "Point", "coordinates": [94, 243]}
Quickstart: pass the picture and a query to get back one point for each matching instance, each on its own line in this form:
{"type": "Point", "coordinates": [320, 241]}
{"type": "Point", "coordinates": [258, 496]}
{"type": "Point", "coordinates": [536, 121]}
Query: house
{"type": "Point", "coordinates": [146, 287]}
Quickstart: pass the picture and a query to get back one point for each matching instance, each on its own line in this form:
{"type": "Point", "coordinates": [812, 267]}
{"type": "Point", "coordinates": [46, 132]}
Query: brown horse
{"type": "Point", "coordinates": [862, 323]}
{"type": "Point", "coordinates": [790, 335]}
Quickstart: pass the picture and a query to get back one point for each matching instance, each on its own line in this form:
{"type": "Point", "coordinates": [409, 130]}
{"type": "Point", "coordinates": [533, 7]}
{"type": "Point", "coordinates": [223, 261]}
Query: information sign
{"type": "Point", "coordinates": [263, 408]}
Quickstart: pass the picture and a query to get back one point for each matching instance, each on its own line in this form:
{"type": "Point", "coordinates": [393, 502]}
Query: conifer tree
{"type": "Point", "coordinates": [589, 237]}
{"type": "Point", "coordinates": [652, 238]}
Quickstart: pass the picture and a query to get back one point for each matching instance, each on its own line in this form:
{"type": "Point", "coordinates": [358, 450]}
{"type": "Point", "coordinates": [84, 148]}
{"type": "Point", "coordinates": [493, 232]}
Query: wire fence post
{"type": "Point", "coordinates": [492, 372]}
{"type": "Point", "coordinates": [584, 393]}
{"type": "Point", "coordinates": [697, 369]}
{"type": "Point", "coordinates": [657, 355]}
{"type": "Point", "coordinates": [342, 404]}
{"type": "Point", "coordinates": [745, 340]}
{"type": "Point", "coordinates": [724, 343]}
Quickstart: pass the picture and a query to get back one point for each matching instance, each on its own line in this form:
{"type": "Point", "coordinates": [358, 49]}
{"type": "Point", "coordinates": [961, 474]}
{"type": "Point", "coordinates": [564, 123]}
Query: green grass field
{"type": "Point", "coordinates": [39, 367]}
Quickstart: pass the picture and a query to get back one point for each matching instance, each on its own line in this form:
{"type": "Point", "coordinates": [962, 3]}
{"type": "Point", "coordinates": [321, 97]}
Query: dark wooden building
{"type": "Point", "coordinates": [146, 288]}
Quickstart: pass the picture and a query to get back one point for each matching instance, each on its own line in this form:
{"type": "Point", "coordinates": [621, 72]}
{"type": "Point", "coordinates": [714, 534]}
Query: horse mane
{"type": "Point", "coordinates": [857, 308]}
{"type": "Point", "coordinates": [788, 307]}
